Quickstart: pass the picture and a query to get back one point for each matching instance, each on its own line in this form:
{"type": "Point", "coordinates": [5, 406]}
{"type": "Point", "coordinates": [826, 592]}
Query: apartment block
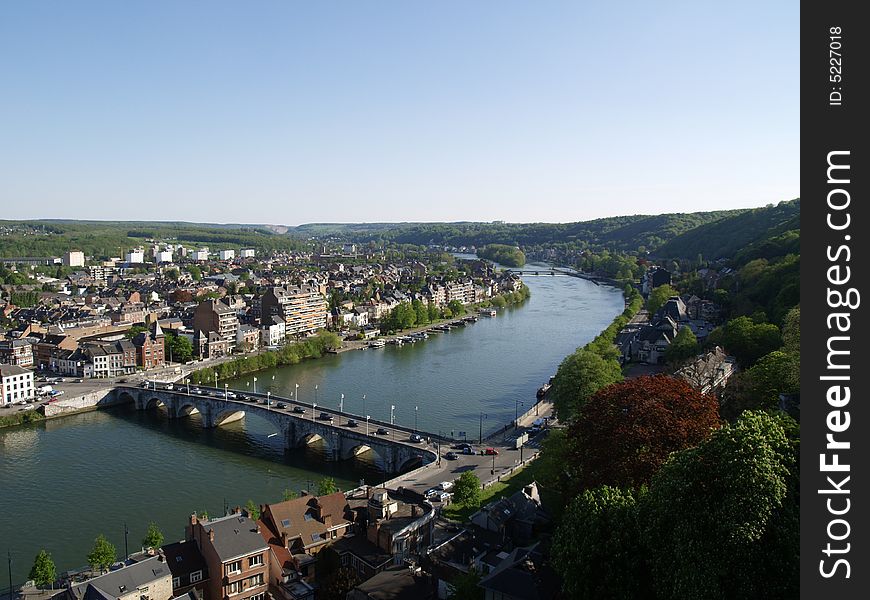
{"type": "Point", "coordinates": [303, 308]}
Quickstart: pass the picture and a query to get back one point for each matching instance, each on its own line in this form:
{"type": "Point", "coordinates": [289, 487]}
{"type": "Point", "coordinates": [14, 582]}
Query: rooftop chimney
{"type": "Point", "coordinates": [193, 519]}
{"type": "Point", "coordinates": [211, 535]}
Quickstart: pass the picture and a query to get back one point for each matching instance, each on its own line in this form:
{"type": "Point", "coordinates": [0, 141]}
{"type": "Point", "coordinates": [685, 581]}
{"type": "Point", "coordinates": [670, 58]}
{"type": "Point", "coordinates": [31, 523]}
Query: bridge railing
{"type": "Point", "coordinates": [273, 399]}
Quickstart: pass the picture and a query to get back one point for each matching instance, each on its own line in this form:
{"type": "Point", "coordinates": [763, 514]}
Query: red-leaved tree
{"type": "Point", "coordinates": [626, 430]}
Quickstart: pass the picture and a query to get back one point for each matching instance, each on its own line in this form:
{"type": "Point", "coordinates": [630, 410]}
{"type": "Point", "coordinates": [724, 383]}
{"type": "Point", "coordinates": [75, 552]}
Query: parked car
{"type": "Point", "coordinates": [451, 456]}
{"type": "Point", "coordinates": [467, 450]}
{"type": "Point", "coordinates": [491, 452]}
{"type": "Point", "coordinates": [462, 446]}
{"type": "Point", "coordinates": [416, 438]}
{"type": "Point", "coordinates": [446, 486]}
{"type": "Point", "coordinates": [298, 409]}
{"type": "Point", "coordinates": [382, 431]}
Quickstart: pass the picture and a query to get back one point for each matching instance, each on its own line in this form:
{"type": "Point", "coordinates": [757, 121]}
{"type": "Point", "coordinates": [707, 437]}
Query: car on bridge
{"type": "Point", "coordinates": [382, 431]}
{"type": "Point", "coordinates": [352, 423]}
{"type": "Point", "coordinates": [298, 409]}
{"type": "Point", "coordinates": [325, 416]}
{"type": "Point", "coordinates": [416, 438]}
{"type": "Point", "coordinates": [196, 390]}
{"type": "Point", "coordinates": [281, 405]}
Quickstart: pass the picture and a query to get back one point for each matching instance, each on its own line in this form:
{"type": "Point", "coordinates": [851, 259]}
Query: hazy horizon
{"type": "Point", "coordinates": [289, 113]}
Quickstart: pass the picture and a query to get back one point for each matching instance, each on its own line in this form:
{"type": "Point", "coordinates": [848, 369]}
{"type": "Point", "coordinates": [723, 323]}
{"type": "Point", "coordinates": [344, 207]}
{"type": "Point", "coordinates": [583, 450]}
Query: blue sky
{"type": "Point", "coordinates": [292, 112]}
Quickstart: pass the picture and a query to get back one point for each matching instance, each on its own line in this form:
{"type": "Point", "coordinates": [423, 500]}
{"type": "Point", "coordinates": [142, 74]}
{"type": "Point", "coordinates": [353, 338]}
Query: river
{"type": "Point", "coordinates": [62, 482]}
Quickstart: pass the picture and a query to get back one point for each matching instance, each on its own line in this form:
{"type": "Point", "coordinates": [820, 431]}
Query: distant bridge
{"type": "Point", "coordinates": [297, 429]}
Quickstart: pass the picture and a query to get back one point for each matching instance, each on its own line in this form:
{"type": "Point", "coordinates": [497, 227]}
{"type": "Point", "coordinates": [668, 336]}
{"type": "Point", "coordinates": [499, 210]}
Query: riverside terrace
{"type": "Point", "coordinates": [344, 435]}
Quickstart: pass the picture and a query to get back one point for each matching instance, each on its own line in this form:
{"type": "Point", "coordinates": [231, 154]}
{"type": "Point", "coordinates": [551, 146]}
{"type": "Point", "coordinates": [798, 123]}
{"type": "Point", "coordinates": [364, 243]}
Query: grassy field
{"type": "Point", "coordinates": [506, 487]}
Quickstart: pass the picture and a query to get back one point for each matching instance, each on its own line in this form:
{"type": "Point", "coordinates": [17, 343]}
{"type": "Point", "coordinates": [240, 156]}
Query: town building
{"type": "Point", "coordinates": [16, 352]}
{"type": "Point", "coordinates": [200, 255]}
{"type": "Point", "coordinates": [150, 347]}
{"type": "Point", "coordinates": [189, 571]}
{"type": "Point", "coordinates": [247, 253]}
{"type": "Point", "coordinates": [303, 308]}
{"type": "Point", "coordinates": [16, 384]}
{"type": "Point", "coordinates": [226, 254]}
{"type": "Point", "coordinates": [215, 316]}
{"type": "Point", "coordinates": [149, 579]}
{"type": "Point", "coordinates": [274, 331]}
{"type": "Point", "coordinates": [74, 258]}
{"type": "Point", "coordinates": [136, 257]}
{"type": "Point", "coordinates": [235, 555]}
{"type": "Point", "coordinates": [397, 583]}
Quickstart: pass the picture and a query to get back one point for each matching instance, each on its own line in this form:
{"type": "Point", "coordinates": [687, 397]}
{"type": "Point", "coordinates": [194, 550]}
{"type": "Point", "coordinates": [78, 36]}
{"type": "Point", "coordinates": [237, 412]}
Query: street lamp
{"type": "Point", "coordinates": [297, 392]}
{"type": "Point", "coordinates": [313, 410]}
{"type": "Point", "coordinates": [492, 471]}
{"type": "Point", "coordinates": [226, 391]}
{"type": "Point", "coordinates": [315, 392]}
{"type": "Point", "coordinates": [367, 424]}
{"type": "Point", "coordinates": [255, 385]}
{"type": "Point", "coordinates": [392, 414]}
{"type": "Point", "coordinates": [415, 419]}
{"type": "Point", "coordinates": [341, 404]}
{"type": "Point", "coordinates": [517, 413]}
{"type": "Point", "coordinates": [268, 398]}
{"type": "Point", "coordinates": [215, 380]}
{"type": "Point", "coordinates": [364, 403]}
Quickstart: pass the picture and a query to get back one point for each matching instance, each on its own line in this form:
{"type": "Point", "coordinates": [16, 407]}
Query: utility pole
{"type": "Point", "coordinates": [9, 557]}
{"type": "Point", "coordinates": [126, 551]}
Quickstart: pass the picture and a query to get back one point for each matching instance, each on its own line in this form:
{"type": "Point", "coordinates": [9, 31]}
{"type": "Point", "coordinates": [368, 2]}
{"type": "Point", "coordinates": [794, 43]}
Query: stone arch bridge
{"type": "Point", "coordinates": [296, 429]}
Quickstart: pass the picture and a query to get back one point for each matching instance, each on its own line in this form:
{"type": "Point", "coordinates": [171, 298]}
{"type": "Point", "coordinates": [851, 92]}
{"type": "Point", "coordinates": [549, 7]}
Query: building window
{"type": "Point", "coordinates": [255, 561]}
{"type": "Point", "coordinates": [195, 576]}
{"type": "Point", "coordinates": [234, 567]}
{"type": "Point", "coordinates": [176, 582]}
{"type": "Point", "coordinates": [259, 596]}
{"type": "Point", "coordinates": [235, 588]}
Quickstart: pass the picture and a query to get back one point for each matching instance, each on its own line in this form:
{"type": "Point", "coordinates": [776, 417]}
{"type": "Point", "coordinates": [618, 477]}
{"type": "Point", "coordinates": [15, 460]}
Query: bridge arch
{"type": "Point", "coordinates": [228, 415]}
{"type": "Point", "coordinates": [155, 403]}
{"type": "Point", "coordinates": [187, 409]}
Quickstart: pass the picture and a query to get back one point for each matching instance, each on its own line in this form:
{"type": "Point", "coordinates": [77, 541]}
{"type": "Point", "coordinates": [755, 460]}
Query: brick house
{"type": "Point", "coordinates": [150, 348]}
{"type": "Point", "coordinates": [235, 555]}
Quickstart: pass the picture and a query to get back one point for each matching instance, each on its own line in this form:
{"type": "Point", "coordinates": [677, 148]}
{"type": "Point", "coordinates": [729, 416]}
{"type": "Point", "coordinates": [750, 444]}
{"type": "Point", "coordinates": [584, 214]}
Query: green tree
{"type": "Point", "coordinates": [658, 296]}
{"type": "Point", "coordinates": [745, 340]}
{"type": "Point", "coordinates": [153, 537]}
{"type": "Point", "coordinates": [759, 387]}
{"type": "Point", "coordinates": [337, 586]}
{"type": "Point", "coordinates": [134, 331]}
{"type": "Point", "coordinates": [434, 313]}
{"type": "Point", "coordinates": [288, 494]}
{"type": "Point", "coordinates": [253, 510]}
{"type": "Point", "coordinates": [195, 272]}
{"type": "Point", "coordinates": [43, 572]}
{"type": "Point", "coordinates": [579, 376]}
{"type": "Point", "coordinates": [457, 309]}
{"type": "Point", "coordinates": [103, 553]}
{"type": "Point", "coordinates": [684, 346]}
{"type": "Point", "coordinates": [178, 347]}
{"type": "Point", "coordinates": [466, 586]}
{"type": "Point", "coordinates": [171, 274]}
{"type": "Point", "coordinates": [467, 489]}
{"type": "Point", "coordinates": [326, 486]}
{"type": "Point", "coordinates": [791, 330]}
{"type": "Point", "coordinates": [721, 519]}
{"type": "Point", "coordinates": [597, 548]}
